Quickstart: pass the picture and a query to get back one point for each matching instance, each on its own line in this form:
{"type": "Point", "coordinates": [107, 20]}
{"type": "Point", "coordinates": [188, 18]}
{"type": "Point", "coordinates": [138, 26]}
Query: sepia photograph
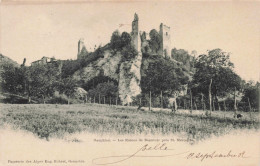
{"type": "Point", "coordinates": [123, 83]}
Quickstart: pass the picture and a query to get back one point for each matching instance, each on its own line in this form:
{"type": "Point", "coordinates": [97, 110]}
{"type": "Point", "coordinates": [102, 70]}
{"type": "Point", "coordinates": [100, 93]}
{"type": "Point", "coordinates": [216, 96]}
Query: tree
{"type": "Point", "coordinates": [105, 89]}
{"type": "Point", "coordinates": [128, 52]}
{"type": "Point", "coordinates": [214, 75]}
{"type": "Point", "coordinates": [155, 41]}
{"type": "Point", "coordinates": [125, 39]}
{"type": "Point", "coordinates": [67, 86]}
{"type": "Point", "coordinates": [183, 56]}
{"type": "Point", "coordinates": [39, 82]}
{"type": "Point", "coordinates": [12, 79]}
{"type": "Point", "coordinates": [115, 41]}
{"type": "Point", "coordinates": [251, 95]}
{"type": "Point", "coordinates": [43, 80]}
{"type": "Point", "coordinates": [123, 43]}
{"type": "Point", "coordinates": [92, 83]}
{"type": "Point", "coordinates": [163, 76]}
{"type": "Point", "coordinates": [69, 67]}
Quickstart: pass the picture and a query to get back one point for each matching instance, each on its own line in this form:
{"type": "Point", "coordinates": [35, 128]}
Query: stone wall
{"type": "Point", "coordinates": [81, 49]}
{"type": "Point", "coordinates": [135, 34]}
{"type": "Point", "coordinates": [165, 49]}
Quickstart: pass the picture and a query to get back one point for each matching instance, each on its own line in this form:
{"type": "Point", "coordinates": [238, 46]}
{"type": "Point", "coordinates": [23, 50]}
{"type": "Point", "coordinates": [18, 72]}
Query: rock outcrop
{"type": "Point", "coordinates": [130, 79]}
{"type": "Point", "coordinates": [107, 66]}
{"type": "Point", "coordinates": [126, 73]}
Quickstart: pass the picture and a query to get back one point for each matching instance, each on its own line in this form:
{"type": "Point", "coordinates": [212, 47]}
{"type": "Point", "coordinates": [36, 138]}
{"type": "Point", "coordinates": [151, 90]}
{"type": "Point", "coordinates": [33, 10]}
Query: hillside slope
{"type": "Point", "coordinates": [112, 64]}
{"type": "Point", "coordinates": [6, 60]}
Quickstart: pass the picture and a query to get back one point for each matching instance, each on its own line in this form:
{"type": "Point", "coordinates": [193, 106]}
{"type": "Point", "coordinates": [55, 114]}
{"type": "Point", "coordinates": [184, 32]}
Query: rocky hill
{"type": "Point", "coordinates": [125, 61]}
{"type": "Point", "coordinates": [126, 72]}
{"type": "Point", "coordinates": [113, 65]}
{"type": "Point", "coordinates": [6, 60]}
{"type": "Point", "coordinates": [126, 58]}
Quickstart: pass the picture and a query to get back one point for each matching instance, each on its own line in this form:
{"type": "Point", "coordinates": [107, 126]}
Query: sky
{"type": "Point", "coordinates": [33, 30]}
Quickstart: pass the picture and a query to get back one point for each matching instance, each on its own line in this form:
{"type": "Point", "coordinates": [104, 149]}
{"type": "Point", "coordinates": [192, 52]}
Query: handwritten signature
{"type": "Point", "coordinates": [146, 147]}
{"type": "Point", "coordinates": [162, 148]}
{"type": "Point", "coordinates": [214, 154]}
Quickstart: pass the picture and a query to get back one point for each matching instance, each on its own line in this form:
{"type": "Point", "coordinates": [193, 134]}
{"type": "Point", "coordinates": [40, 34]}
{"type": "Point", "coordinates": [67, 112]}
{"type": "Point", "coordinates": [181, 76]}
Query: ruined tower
{"type": "Point", "coordinates": [166, 41]}
{"type": "Point", "coordinates": [135, 34]}
{"type": "Point", "coordinates": [81, 49]}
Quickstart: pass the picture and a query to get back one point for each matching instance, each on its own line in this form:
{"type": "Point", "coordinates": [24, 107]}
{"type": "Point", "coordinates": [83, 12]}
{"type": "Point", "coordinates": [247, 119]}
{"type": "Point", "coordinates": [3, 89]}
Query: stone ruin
{"type": "Point", "coordinates": [139, 40]}
{"type": "Point", "coordinates": [128, 86]}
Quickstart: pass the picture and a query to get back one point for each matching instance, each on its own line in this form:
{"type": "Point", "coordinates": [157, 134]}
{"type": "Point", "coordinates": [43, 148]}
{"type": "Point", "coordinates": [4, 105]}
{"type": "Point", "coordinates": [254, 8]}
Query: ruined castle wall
{"type": "Point", "coordinates": [165, 48]}
{"type": "Point", "coordinates": [135, 34]}
{"type": "Point", "coordinates": [80, 47]}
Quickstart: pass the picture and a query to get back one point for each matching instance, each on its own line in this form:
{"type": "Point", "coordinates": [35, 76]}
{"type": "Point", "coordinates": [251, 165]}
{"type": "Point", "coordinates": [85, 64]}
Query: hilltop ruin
{"type": "Point", "coordinates": [139, 40]}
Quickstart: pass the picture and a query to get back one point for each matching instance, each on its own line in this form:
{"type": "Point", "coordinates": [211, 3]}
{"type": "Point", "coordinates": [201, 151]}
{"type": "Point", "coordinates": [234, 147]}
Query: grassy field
{"type": "Point", "coordinates": [47, 121]}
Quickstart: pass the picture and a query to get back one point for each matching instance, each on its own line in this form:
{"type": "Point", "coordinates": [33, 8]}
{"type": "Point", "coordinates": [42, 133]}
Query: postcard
{"type": "Point", "coordinates": [123, 83]}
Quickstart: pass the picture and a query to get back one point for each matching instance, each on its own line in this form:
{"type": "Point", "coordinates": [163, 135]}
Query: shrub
{"type": "Point", "coordinates": [58, 100]}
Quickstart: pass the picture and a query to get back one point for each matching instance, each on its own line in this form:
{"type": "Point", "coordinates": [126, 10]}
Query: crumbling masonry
{"type": "Point", "coordinates": [164, 32]}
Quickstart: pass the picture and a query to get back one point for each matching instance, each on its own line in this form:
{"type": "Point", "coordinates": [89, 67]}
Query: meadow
{"type": "Point", "coordinates": [48, 121]}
